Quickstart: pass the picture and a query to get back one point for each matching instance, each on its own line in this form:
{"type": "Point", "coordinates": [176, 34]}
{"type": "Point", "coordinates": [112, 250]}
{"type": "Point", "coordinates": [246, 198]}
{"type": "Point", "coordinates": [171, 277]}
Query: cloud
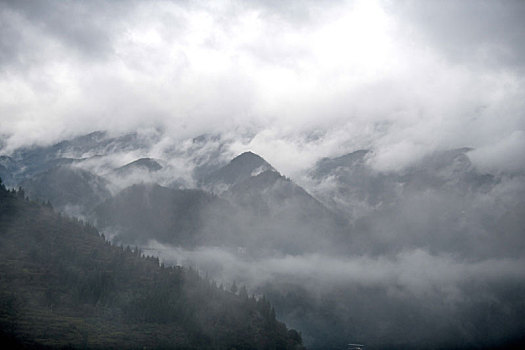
{"type": "Point", "coordinates": [410, 295]}
{"type": "Point", "coordinates": [306, 80]}
{"type": "Point", "coordinates": [472, 32]}
{"type": "Point", "coordinates": [504, 155]}
{"type": "Point", "coordinates": [416, 271]}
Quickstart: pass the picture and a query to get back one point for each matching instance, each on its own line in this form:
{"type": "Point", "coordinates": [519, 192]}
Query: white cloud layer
{"type": "Point", "coordinates": [416, 271]}
{"type": "Point", "coordinates": [307, 79]}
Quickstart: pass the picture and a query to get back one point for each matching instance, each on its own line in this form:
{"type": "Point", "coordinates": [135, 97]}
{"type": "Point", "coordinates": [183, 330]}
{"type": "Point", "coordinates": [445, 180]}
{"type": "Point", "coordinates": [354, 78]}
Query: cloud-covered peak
{"type": "Point", "coordinates": [240, 168]}
{"type": "Point", "coordinates": [249, 161]}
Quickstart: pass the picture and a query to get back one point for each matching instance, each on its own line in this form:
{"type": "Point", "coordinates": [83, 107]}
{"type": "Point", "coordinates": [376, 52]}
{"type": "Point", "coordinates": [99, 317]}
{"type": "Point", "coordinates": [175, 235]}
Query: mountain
{"type": "Point", "coordinates": [330, 166]}
{"type": "Point", "coordinates": [140, 171]}
{"type": "Point", "coordinates": [273, 212]}
{"type": "Point", "coordinates": [26, 162]}
{"type": "Point", "coordinates": [67, 188]}
{"type": "Point", "coordinates": [262, 211]}
{"type": "Point", "coordinates": [98, 142]}
{"type": "Point", "coordinates": [144, 212]}
{"type": "Point", "coordinates": [240, 168]}
{"type": "Point", "coordinates": [349, 185]}
{"type": "Point", "coordinates": [63, 286]}
{"type": "Point", "coordinates": [282, 214]}
{"type": "Point", "coordinates": [181, 162]}
{"type": "Point", "coordinates": [142, 164]}
{"type": "Point", "coordinates": [448, 170]}
{"type": "Point", "coordinates": [8, 168]}
{"type": "Point", "coordinates": [348, 258]}
{"type": "Point", "coordinates": [439, 203]}
{"type": "Point", "coordinates": [207, 154]}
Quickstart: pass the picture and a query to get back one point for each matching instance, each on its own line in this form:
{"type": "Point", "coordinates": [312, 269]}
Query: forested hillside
{"type": "Point", "coordinates": [63, 285]}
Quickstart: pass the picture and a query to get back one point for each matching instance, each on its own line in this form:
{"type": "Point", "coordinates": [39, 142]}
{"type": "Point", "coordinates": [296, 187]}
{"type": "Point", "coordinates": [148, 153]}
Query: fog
{"type": "Point", "coordinates": [415, 272]}
{"type": "Point", "coordinates": [413, 299]}
{"type": "Point", "coordinates": [392, 211]}
{"type": "Point", "coordinates": [306, 80]}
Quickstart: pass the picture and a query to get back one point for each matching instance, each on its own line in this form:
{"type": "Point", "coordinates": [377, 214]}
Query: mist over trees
{"type": "Point", "coordinates": [64, 285]}
{"type": "Point", "coordinates": [425, 257]}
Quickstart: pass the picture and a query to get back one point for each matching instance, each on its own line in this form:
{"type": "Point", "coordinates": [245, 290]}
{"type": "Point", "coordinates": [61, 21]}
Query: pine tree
{"type": "Point", "coordinates": [243, 293]}
{"type": "Point", "coordinates": [234, 288]}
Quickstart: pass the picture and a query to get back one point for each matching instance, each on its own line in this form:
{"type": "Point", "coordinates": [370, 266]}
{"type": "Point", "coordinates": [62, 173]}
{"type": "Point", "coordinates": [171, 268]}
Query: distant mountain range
{"type": "Point", "coordinates": [252, 204]}
{"type": "Point", "coordinates": [254, 207]}
{"type": "Point", "coordinates": [348, 205]}
{"type": "Point", "coordinates": [351, 183]}
{"type": "Point", "coordinates": [196, 193]}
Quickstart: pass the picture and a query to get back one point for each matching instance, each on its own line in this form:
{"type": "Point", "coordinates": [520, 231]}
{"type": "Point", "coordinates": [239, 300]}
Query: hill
{"type": "Point", "coordinates": [63, 285]}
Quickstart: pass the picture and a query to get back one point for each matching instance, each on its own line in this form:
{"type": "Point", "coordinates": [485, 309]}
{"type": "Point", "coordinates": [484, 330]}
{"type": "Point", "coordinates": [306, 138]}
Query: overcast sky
{"type": "Point", "coordinates": [307, 78]}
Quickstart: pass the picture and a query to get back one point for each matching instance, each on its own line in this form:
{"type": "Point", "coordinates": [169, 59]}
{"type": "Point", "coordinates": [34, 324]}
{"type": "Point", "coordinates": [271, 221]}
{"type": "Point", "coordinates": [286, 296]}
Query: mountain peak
{"type": "Point", "coordinates": [248, 164]}
{"type": "Point", "coordinates": [148, 164]}
{"type": "Point", "coordinates": [248, 158]}
{"type": "Point", "coordinates": [243, 166]}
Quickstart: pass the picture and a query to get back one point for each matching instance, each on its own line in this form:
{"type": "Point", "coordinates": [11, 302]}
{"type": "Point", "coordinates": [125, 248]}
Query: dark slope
{"type": "Point", "coordinates": [62, 285]}
{"type": "Point", "coordinates": [183, 217]}
{"type": "Point", "coordinates": [67, 186]}
{"type": "Point", "coordinates": [282, 214]}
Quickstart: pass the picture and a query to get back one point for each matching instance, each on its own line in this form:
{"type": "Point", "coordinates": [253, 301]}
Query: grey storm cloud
{"type": "Point", "coordinates": [305, 79]}
{"type": "Point", "coordinates": [34, 28]}
{"type": "Point", "coordinates": [481, 32]}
